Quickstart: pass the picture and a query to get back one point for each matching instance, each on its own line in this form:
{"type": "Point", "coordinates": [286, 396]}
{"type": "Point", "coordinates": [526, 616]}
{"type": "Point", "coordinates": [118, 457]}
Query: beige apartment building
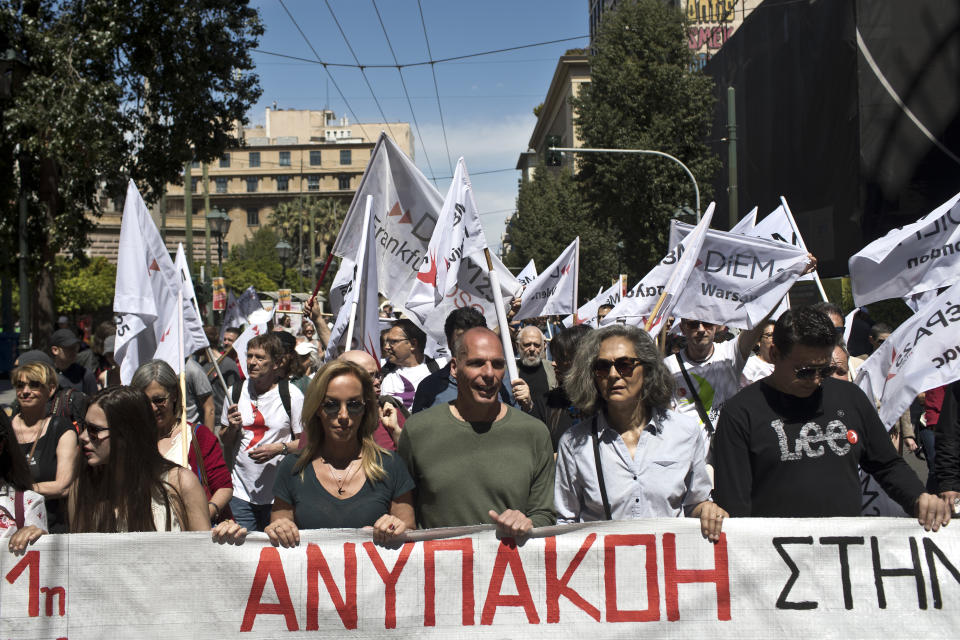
{"type": "Point", "coordinates": [293, 154]}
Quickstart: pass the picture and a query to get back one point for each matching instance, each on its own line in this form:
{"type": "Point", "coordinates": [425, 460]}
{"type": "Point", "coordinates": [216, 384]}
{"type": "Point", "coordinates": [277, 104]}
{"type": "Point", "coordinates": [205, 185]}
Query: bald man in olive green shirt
{"type": "Point", "coordinates": [478, 460]}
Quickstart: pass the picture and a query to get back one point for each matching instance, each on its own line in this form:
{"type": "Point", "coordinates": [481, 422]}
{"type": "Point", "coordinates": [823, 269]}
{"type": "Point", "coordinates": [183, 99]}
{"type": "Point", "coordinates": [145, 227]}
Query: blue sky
{"type": "Point", "coordinates": [486, 102]}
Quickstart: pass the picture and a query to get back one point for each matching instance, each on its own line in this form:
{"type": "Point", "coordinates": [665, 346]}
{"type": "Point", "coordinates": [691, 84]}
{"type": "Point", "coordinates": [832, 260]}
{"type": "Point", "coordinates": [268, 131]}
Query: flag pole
{"type": "Point", "coordinates": [796, 230]}
{"type": "Point", "coordinates": [501, 318]}
{"type": "Point", "coordinates": [576, 279]}
{"type": "Point", "coordinates": [184, 427]}
{"type": "Point", "coordinates": [358, 280]}
{"type": "Point", "coordinates": [323, 274]}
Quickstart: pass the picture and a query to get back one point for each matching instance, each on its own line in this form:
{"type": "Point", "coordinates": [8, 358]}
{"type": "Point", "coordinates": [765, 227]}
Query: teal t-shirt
{"type": "Point", "coordinates": [316, 508]}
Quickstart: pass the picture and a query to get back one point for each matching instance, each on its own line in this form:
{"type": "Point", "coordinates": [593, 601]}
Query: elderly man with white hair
{"type": "Point", "coordinates": [533, 369]}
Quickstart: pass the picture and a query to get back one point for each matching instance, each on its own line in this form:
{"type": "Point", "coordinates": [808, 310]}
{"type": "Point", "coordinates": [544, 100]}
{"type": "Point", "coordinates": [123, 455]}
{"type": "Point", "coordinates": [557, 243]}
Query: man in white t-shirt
{"type": "Point", "coordinates": [261, 424]}
{"type": "Point", "coordinates": [713, 369]}
{"type": "Point", "coordinates": [407, 365]}
{"type": "Point", "coordinates": [759, 365]}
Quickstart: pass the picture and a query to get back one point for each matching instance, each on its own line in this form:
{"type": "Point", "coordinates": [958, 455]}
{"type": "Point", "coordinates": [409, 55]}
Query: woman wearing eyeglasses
{"type": "Point", "coordinates": [49, 442]}
{"type": "Point", "coordinates": [630, 457]}
{"type": "Point", "coordinates": [341, 478]}
{"type": "Point", "coordinates": [162, 387]}
{"type": "Point", "coordinates": [126, 485]}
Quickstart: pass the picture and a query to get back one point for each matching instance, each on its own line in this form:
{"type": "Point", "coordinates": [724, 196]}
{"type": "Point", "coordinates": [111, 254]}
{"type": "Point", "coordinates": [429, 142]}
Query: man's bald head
{"type": "Point", "coordinates": [366, 362]}
{"type": "Point", "coordinates": [475, 337]}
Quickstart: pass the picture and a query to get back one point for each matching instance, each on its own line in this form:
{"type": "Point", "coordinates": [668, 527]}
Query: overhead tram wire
{"type": "Point", "coordinates": [362, 70]}
{"type": "Point", "coordinates": [436, 88]}
{"type": "Point", "coordinates": [325, 68]}
{"type": "Point", "coordinates": [406, 93]}
{"type": "Point", "coordinates": [415, 64]}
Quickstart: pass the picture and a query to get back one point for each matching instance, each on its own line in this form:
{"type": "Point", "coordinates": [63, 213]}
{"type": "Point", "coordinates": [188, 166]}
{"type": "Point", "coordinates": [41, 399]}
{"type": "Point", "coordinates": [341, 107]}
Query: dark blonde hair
{"type": "Point", "coordinates": [37, 371]}
{"type": "Point", "coordinates": [371, 454]}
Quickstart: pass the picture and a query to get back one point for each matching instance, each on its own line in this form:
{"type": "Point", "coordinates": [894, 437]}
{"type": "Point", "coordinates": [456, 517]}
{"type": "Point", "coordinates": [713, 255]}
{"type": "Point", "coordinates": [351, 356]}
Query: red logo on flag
{"type": "Point", "coordinates": [164, 336]}
{"type": "Point", "coordinates": [566, 269]}
{"type": "Point", "coordinates": [430, 276]}
{"type": "Point", "coordinates": [397, 211]}
{"type": "Point", "coordinates": [153, 267]}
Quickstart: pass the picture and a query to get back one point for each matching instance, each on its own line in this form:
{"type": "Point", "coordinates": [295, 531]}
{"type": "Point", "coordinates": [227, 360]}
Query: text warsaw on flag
{"type": "Point", "coordinates": [856, 577]}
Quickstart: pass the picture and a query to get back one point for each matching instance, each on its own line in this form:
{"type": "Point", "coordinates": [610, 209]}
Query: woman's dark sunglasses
{"type": "Point", "coordinates": [332, 407]}
{"type": "Point", "coordinates": [624, 366]}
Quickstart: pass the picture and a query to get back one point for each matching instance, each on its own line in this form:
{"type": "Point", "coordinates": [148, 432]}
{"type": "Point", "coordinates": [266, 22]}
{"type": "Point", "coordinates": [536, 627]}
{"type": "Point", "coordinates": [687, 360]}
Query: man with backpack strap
{"type": "Point", "coordinates": [260, 425]}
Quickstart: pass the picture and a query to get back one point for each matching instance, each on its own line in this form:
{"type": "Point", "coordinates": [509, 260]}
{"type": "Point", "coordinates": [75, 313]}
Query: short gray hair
{"type": "Point", "coordinates": [163, 374]}
{"type": "Point", "coordinates": [579, 382]}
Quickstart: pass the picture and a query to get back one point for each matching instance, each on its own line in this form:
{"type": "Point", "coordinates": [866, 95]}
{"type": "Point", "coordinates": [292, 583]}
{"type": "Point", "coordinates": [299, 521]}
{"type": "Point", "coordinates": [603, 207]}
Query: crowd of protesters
{"type": "Point", "coordinates": [601, 423]}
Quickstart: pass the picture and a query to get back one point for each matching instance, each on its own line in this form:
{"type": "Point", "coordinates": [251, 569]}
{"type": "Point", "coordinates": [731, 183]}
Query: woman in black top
{"type": "Point", "coordinates": [342, 478]}
{"type": "Point", "coordinates": [49, 442]}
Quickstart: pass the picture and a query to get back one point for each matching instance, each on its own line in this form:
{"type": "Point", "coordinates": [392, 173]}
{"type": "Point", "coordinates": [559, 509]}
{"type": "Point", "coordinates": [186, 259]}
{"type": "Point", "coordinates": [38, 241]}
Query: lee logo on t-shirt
{"type": "Point", "coordinates": [812, 438]}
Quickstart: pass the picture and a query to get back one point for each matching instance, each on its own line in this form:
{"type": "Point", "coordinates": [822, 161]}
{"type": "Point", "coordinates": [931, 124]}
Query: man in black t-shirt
{"type": "Point", "coordinates": [790, 445]}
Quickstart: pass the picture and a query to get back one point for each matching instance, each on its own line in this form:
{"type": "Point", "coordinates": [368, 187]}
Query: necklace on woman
{"type": "Point", "coordinates": [342, 479]}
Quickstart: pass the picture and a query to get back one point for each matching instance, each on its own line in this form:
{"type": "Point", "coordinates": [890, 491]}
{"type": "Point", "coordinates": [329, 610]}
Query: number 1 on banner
{"type": "Point", "coordinates": [30, 564]}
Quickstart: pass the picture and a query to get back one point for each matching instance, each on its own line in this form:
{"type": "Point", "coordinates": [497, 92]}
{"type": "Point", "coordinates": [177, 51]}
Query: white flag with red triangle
{"type": "Point", "coordinates": [551, 293]}
{"type": "Point", "coordinates": [458, 234]}
{"type": "Point", "coordinates": [406, 208]}
{"type": "Point", "coordinates": [145, 297]}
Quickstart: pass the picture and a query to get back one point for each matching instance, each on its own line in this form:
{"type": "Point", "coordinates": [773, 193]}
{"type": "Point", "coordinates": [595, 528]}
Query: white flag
{"type": "Point", "coordinates": [923, 353]}
{"type": "Point", "coordinates": [551, 293]}
{"type": "Point", "coordinates": [239, 309]}
{"type": "Point", "coordinates": [677, 283]}
{"type": "Point", "coordinates": [406, 210]}
{"type": "Point", "coordinates": [258, 325]}
{"type": "Point", "coordinates": [192, 330]}
{"type": "Point", "coordinates": [366, 328]}
{"type": "Point", "coordinates": [919, 257]}
{"type": "Point", "coordinates": [740, 278]}
{"type": "Point", "coordinates": [472, 290]}
{"type": "Point", "coordinates": [145, 297]}
{"type": "Point", "coordinates": [746, 225]}
{"type": "Point", "coordinates": [587, 314]}
{"type": "Point", "coordinates": [458, 234]}
{"type": "Point", "coordinates": [527, 275]}
{"type": "Point", "coordinates": [779, 225]}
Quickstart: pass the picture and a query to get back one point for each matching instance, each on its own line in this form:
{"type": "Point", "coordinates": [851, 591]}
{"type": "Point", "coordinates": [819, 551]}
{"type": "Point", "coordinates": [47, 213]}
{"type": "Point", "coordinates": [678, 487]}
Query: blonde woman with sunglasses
{"type": "Point", "coordinates": [341, 478]}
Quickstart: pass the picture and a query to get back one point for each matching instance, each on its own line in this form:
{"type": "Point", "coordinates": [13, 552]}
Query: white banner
{"type": "Point", "coordinates": [919, 257]}
{"type": "Point", "coordinates": [457, 235]}
{"type": "Point", "coordinates": [552, 292]}
{"type": "Point", "coordinates": [766, 578]}
{"type": "Point", "coordinates": [145, 298]}
{"type": "Point", "coordinates": [192, 329]}
{"type": "Point", "coordinates": [406, 210]}
{"type": "Point", "coordinates": [740, 277]}
{"type": "Point", "coordinates": [923, 353]}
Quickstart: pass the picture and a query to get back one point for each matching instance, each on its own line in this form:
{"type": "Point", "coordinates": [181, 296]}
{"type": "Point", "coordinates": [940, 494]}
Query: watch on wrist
{"type": "Point", "coordinates": [283, 449]}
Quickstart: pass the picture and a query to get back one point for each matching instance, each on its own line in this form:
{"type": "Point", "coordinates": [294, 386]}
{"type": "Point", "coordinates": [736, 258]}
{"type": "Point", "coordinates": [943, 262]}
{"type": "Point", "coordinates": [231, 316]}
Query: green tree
{"type": "Point", "coordinates": [551, 212]}
{"type": "Point", "coordinates": [109, 92]}
{"type": "Point", "coordinates": [291, 222]}
{"type": "Point", "coordinates": [644, 95]}
{"type": "Point", "coordinates": [254, 263]}
{"type": "Point", "coordinates": [84, 286]}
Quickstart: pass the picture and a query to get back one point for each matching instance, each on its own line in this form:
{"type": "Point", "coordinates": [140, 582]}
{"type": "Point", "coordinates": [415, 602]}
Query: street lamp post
{"type": "Point", "coordinates": [219, 223]}
{"type": "Point", "coordinates": [696, 189]}
{"type": "Point", "coordinates": [284, 251]}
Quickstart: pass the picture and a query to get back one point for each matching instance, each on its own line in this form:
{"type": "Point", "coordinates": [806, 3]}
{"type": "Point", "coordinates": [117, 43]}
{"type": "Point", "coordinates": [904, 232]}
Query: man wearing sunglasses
{"type": "Point", "coordinates": [478, 460]}
{"type": "Point", "coordinates": [706, 373]}
{"type": "Point", "coordinates": [791, 445]}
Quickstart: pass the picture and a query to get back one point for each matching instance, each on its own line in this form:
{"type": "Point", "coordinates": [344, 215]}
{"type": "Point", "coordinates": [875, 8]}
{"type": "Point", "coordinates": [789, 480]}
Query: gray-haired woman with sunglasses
{"type": "Point", "coordinates": [631, 457]}
{"type": "Point", "coordinates": [341, 478]}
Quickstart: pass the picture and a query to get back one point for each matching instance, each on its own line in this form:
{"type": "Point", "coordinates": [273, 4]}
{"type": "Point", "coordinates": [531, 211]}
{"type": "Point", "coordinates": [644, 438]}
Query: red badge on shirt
{"type": "Point", "coordinates": [852, 436]}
